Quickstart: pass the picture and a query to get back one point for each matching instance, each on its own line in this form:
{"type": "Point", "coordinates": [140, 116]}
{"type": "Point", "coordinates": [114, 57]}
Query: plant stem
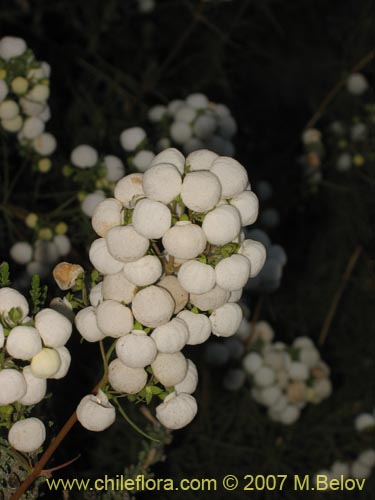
{"type": "Point", "coordinates": [338, 294]}
{"type": "Point", "coordinates": [131, 423]}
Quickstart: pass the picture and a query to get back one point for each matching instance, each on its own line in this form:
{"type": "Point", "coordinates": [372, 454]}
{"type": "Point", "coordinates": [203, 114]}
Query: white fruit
{"type": "Point", "coordinates": [87, 326]}
{"type": "Point", "coordinates": [129, 189]}
{"type": "Point", "coordinates": [36, 388]}
{"type": "Point", "coordinates": [132, 137]}
{"type": "Point", "coordinates": [222, 225]}
{"type": "Point", "coordinates": [114, 319]}
{"type": "Point", "coordinates": [202, 159]}
{"type": "Point", "coordinates": [125, 244]}
{"type": "Point", "coordinates": [213, 299]}
{"type": "Point", "coordinates": [96, 413]}
{"type": "Point", "coordinates": [23, 342]}
{"type": "Point", "coordinates": [189, 384]}
{"type": "Point", "coordinates": [151, 218]}
{"type": "Point", "coordinates": [199, 326]}
{"type": "Point", "coordinates": [184, 240]}
{"type": "Point", "coordinates": [84, 156]}
{"type": "Point", "coordinates": [172, 336]}
{"type": "Point", "coordinates": [54, 328]}
{"type": "Point", "coordinates": [96, 294]}
{"type": "Point", "coordinates": [117, 287]}
{"type": "Point", "coordinates": [153, 306]}
{"type": "Point", "coordinates": [162, 182]}
{"type": "Point", "coordinates": [226, 319]}
{"type": "Point", "coordinates": [179, 294]}
{"type": "Point", "coordinates": [115, 168]}
{"type": "Point", "coordinates": [144, 271]}
{"type": "Point", "coordinates": [142, 160]}
{"type": "Point", "coordinates": [196, 277]}
{"type": "Point", "coordinates": [248, 206]}
{"type": "Point", "coordinates": [102, 260]}
{"type": "Point", "coordinates": [200, 191]}
{"type": "Point", "coordinates": [136, 350]}
{"type": "Point", "coordinates": [45, 144]}
{"type": "Point", "coordinates": [46, 363]}
{"type": "Point", "coordinates": [176, 411]}
{"type": "Point", "coordinates": [11, 299]}
{"type": "Point", "coordinates": [232, 272]}
{"type": "Point", "coordinates": [107, 214]}
{"type": "Point", "coordinates": [170, 155]}
{"type": "Point", "coordinates": [232, 176]}
{"type": "Point", "coordinates": [252, 362]}
{"type": "Point", "coordinates": [27, 435]}
{"type": "Point", "coordinates": [12, 386]}
{"type": "Point", "coordinates": [170, 369]}
{"type": "Point", "coordinates": [256, 253]}
{"type": "Point", "coordinates": [91, 201]}
{"type": "Point", "coordinates": [264, 376]}
{"type": "Point", "coordinates": [125, 379]}
{"type": "Point", "coordinates": [65, 358]}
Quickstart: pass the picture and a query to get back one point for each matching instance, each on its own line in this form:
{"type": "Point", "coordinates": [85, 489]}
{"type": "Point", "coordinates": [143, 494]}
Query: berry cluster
{"type": "Point", "coordinates": [24, 92]}
{"type": "Point", "coordinates": [174, 262]}
{"type": "Point", "coordinates": [32, 350]}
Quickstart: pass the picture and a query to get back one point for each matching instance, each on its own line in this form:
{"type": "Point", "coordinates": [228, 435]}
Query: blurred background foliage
{"type": "Point", "coordinates": [272, 62]}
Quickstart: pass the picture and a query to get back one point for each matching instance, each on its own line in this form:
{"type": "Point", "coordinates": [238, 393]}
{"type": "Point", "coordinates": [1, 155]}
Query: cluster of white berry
{"type": "Point", "coordinates": [40, 342]}
{"type": "Point", "coordinates": [50, 245]}
{"type": "Point", "coordinates": [345, 139]}
{"type": "Point", "coordinates": [285, 379]}
{"type": "Point", "coordinates": [174, 262]}
{"type": "Point", "coordinates": [146, 6]}
{"type": "Point", "coordinates": [362, 466]}
{"type": "Point", "coordinates": [194, 123]}
{"type": "Point", "coordinates": [96, 175]}
{"type": "Point", "coordinates": [24, 92]}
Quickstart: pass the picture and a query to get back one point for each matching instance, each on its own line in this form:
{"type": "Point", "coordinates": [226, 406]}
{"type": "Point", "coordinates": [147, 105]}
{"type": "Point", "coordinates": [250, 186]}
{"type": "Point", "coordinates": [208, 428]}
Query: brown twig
{"type": "Point", "coordinates": [336, 89]}
{"type": "Point", "coordinates": [338, 294]}
{"type": "Point", "coordinates": [48, 472]}
{"type": "Point", "coordinates": [55, 443]}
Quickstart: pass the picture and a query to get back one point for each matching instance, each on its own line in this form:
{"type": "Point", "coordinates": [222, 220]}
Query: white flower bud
{"type": "Point", "coordinates": [359, 471]}
{"type": "Point", "coordinates": [142, 160]}
{"type": "Point", "coordinates": [31, 108]}
{"type": "Point", "coordinates": [107, 214]}
{"type": "Point", "coordinates": [54, 328]}
{"type": "Point", "coordinates": [213, 299]}
{"type": "Point", "coordinates": [227, 126]}
{"type": "Point", "coordinates": [129, 189]}
{"type": "Point", "coordinates": [222, 225]}
{"type": "Point", "coordinates": [204, 126]}
{"type": "Point", "coordinates": [298, 371]}
{"type": "Point", "coordinates": [162, 182]}
{"type": "Point", "coordinates": [117, 287]}
{"type": "Point", "coordinates": [256, 253]}
{"type": "Point", "coordinates": [87, 326]}
{"type": "Point", "coordinates": [252, 362]}
{"type": "Point", "coordinates": [11, 299]}
{"type": "Point", "coordinates": [197, 101]}
{"type": "Point", "coordinates": [156, 113]}
{"type": "Point", "coordinates": [39, 93]}
{"type": "Point", "coordinates": [21, 252]}
{"type": "Point", "coordinates": [363, 422]}
{"type": "Point", "coordinates": [95, 413]}
{"type": "Point", "coordinates": [36, 388]}
{"type": "Point", "coordinates": [232, 176]}
{"type": "Point", "coordinates": [170, 155]}
{"type": "Point", "coordinates": [289, 415]}
{"type": "Point", "coordinates": [309, 356]}
{"type": "Point", "coordinates": [199, 326]}
{"type": "Point", "coordinates": [27, 435]}
{"type": "Point", "coordinates": [153, 306]}
{"type": "Point", "coordinates": [232, 272]}
{"type": "Point", "coordinates": [144, 271]}
{"type": "Point", "coordinates": [125, 244]}
{"type": "Point", "coordinates": [12, 386]}
{"type": "Point", "coordinates": [12, 125]}
{"type": "Point", "coordinates": [62, 243]}
{"type": "Point", "coordinates": [357, 84]}
{"type": "Point", "coordinates": [23, 342]}
{"type": "Point", "coordinates": [196, 277]}
{"type": "Point", "coordinates": [264, 376]}
{"type": "Point", "coordinates": [202, 159]}
{"type": "Point", "coordinates": [45, 144]}
{"type": "Point", "coordinates": [115, 168]}
{"type": "Point", "coordinates": [200, 191]}
{"type": "Point", "coordinates": [226, 319]}
{"type": "Point", "coordinates": [11, 46]}
{"type": "Point", "coordinates": [102, 260]}
{"type": "Point", "coordinates": [84, 156]}
{"type": "Point", "coordinates": [179, 294]}
{"type": "Point", "coordinates": [235, 295]}
{"type": "Point", "coordinates": [367, 458]}
{"type": "Point", "coordinates": [189, 384]}
{"type": "Point", "coordinates": [184, 240]}
{"type": "Point", "coordinates": [125, 379]}
{"type": "Point", "coordinates": [32, 127]}
{"type": "Point", "coordinates": [177, 411]}
{"type": "Point", "coordinates": [248, 205]}
{"type": "Point", "coordinates": [96, 295]}
{"type": "Point", "coordinates": [2, 336]}
{"type": "Point", "coordinates": [323, 388]}
{"type": "Point", "coordinates": [131, 138]}
{"type": "Point", "coordinates": [172, 336]}
{"type": "Point", "coordinates": [8, 110]}
{"type": "Point", "coordinates": [180, 132]}
{"type": "Point", "coordinates": [170, 369]}
{"type": "Point", "coordinates": [91, 201]}
{"type": "Point", "coordinates": [46, 363]}
{"type": "Point", "coordinates": [136, 350]}
{"type": "Point", "coordinates": [114, 319]}
{"type": "Point", "coordinates": [65, 358]}
{"type": "Point", "coordinates": [151, 218]}
{"type": "Point", "coordinates": [185, 114]}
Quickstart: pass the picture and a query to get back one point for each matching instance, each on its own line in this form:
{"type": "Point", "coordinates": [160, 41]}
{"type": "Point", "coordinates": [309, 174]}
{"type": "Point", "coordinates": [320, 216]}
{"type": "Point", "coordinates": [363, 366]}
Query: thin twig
{"type": "Point", "coordinates": [336, 89]}
{"type": "Point", "coordinates": [257, 311]}
{"type": "Point", "coordinates": [338, 294]}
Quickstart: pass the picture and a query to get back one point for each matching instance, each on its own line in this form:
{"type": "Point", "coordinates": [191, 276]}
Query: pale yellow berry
{"type": "Point", "coordinates": [31, 220]}
{"type": "Point", "coordinates": [81, 196]}
{"type": "Point", "coordinates": [61, 228]}
{"type": "Point", "coordinates": [20, 85]}
{"type": "Point", "coordinates": [45, 233]}
{"type": "Point", "coordinates": [3, 74]}
{"type": "Point", "coordinates": [358, 160]}
{"type": "Point", "coordinates": [44, 165]}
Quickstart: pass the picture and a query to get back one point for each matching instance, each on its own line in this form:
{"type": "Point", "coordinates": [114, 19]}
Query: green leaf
{"type": "Point", "coordinates": [38, 293]}
{"type": "Point", "coordinates": [4, 274]}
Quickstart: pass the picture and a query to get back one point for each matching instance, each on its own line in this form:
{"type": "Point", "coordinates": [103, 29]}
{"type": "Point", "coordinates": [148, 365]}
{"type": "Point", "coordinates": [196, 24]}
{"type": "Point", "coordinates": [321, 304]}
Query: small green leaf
{"type": "Point", "coordinates": [4, 274]}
